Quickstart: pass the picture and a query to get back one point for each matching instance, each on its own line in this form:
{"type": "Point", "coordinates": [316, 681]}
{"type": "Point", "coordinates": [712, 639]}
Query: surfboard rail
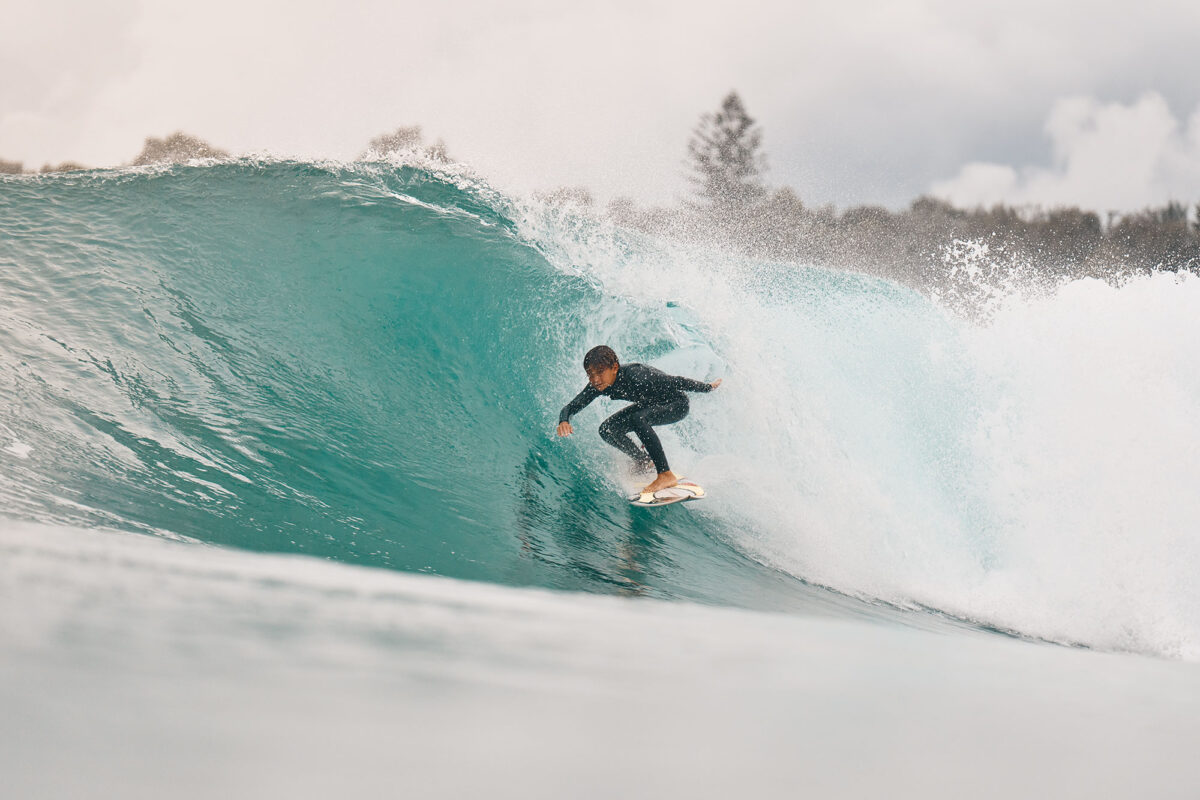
{"type": "Point", "coordinates": [681, 491]}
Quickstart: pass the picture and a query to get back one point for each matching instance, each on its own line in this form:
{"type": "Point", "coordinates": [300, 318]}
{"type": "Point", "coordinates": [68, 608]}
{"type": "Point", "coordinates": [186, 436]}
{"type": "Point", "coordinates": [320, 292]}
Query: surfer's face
{"type": "Point", "coordinates": [601, 377]}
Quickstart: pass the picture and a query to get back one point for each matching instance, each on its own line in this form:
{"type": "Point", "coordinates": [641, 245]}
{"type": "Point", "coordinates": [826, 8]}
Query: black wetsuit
{"type": "Point", "coordinates": [658, 399]}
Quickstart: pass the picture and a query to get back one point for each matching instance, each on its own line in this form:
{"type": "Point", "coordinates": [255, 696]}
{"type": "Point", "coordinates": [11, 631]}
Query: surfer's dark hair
{"type": "Point", "coordinates": [601, 356]}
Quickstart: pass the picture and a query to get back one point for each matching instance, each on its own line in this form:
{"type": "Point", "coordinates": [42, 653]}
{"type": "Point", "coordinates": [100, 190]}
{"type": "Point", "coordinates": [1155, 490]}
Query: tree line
{"type": "Point", "coordinates": [922, 245]}
{"type": "Point", "coordinates": [180, 147]}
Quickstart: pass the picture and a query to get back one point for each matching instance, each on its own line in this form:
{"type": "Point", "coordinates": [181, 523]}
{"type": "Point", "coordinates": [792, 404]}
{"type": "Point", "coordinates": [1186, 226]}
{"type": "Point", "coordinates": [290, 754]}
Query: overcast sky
{"type": "Point", "coordinates": [1094, 103]}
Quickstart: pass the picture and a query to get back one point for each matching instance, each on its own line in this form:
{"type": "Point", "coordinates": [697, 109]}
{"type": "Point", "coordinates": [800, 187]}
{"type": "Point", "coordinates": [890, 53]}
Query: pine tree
{"type": "Point", "coordinates": [725, 160]}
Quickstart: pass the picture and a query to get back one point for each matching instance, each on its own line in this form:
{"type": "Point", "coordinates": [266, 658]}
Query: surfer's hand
{"type": "Point", "coordinates": [565, 429]}
{"type": "Point", "coordinates": [715, 383]}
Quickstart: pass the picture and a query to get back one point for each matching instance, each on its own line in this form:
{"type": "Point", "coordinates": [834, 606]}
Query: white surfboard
{"type": "Point", "coordinates": [684, 490]}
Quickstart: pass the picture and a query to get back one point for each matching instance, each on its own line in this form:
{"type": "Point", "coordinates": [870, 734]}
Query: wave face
{"type": "Point", "coordinates": [365, 363]}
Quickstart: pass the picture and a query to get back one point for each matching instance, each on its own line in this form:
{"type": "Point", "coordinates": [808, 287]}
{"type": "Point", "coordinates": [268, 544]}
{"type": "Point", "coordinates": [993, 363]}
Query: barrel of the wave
{"type": "Point", "coordinates": [306, 363]}
{"type": "Point", "coordinates": [305, 360]}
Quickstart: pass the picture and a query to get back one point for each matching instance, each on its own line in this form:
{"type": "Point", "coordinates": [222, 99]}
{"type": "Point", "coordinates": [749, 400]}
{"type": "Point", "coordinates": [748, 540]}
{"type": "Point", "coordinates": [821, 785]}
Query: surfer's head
{"type": "Point", "coordinates": [601, 366]}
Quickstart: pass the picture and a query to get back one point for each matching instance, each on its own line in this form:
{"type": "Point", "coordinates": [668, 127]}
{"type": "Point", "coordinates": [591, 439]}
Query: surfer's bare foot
{"type": "Point", "coordinates": [665, 480]}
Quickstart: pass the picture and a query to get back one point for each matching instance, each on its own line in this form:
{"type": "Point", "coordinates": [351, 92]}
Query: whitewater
{"type": "Point", "coordinates": [282, 511]}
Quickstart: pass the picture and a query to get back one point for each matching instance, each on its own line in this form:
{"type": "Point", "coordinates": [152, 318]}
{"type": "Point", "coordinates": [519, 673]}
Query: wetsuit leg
{"type": "Point", "coordinates": [639, 419]}
{"type": "Point", "coordinates": [614, 430]}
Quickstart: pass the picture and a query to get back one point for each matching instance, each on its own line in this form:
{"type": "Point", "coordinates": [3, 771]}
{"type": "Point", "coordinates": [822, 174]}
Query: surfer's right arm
{"type": "Point", "coordinates": [574, 407]}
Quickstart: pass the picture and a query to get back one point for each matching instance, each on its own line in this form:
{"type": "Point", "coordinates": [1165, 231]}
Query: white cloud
{"type": "Point", "coordinates": [860, 100]}
{"type": "Point", "coordinates": [1106, 156]}
{"type": "Point", "coordinates": [55, 55]}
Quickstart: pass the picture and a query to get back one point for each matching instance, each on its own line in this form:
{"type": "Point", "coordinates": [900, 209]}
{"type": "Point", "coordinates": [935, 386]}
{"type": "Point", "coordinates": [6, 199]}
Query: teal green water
{"type": "Point", "coordinates": [357, 364]}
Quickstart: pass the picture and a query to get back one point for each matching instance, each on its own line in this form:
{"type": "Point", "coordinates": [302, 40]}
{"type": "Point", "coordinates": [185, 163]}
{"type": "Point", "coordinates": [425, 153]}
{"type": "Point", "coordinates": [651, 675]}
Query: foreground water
{"type": "Point", "coordinates": [363, 364]}
{"type": "Point", "coordinates": [166, 670]}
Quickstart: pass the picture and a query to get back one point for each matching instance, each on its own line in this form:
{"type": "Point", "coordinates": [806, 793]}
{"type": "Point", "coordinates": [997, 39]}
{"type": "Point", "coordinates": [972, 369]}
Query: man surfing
{"type": "Point", "coordinates": [658, 399]}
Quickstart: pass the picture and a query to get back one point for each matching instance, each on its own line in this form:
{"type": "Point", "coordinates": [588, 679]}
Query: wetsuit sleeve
{"type": "Point", "coordinates": [656, 382]}
{"type": "Point", "coordinates": [689, 385]}
{"type": "Point", "coordinates": [575, 406]}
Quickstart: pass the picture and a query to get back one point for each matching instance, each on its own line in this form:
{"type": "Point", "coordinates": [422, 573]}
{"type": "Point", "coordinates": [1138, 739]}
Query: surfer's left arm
{"type": "Point", "coordinates": [574, 407]}
{"type": "Point", "coordinates": [689, 385]}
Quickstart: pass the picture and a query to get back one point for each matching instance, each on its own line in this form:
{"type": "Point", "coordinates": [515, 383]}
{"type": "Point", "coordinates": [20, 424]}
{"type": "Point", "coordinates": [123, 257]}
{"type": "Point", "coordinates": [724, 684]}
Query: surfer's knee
{"type": "Point", "coordinates": [607, 429]}
{"type": "Point", "coordinates": [676, 410]}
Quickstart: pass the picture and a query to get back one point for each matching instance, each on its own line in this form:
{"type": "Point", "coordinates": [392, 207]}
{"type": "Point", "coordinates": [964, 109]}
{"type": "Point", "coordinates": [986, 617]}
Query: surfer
{"type": "Point", "coordinates": [658, 399]}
